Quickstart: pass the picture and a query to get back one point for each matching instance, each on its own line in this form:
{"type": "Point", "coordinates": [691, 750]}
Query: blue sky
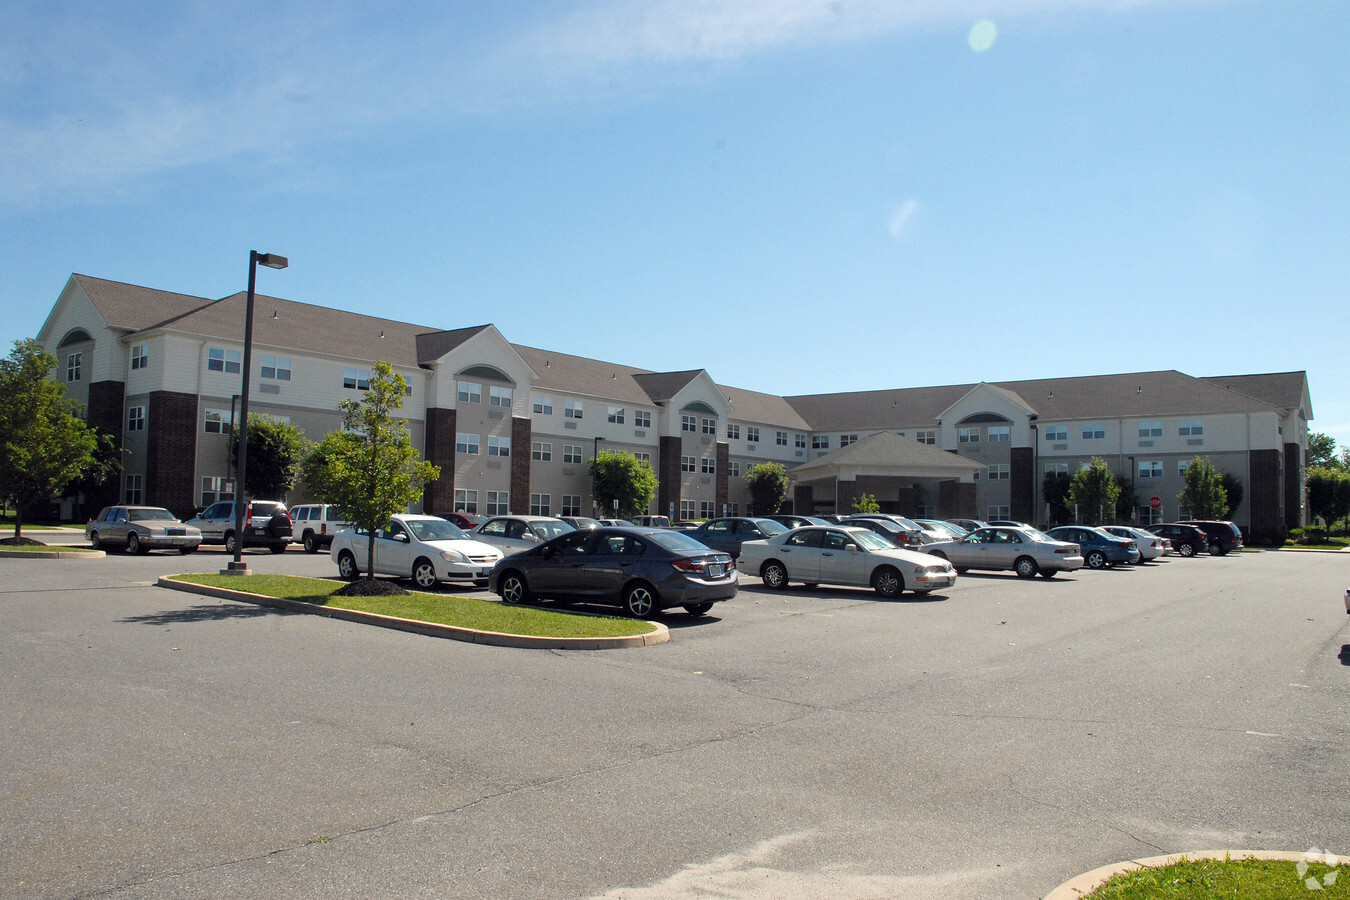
{"type": "Point", "coordinates": [800, 196]}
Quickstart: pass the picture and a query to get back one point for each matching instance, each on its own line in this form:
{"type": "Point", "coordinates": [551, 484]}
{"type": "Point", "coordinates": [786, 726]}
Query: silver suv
{"type": "Point", "coordinates": [266, 524]}
{"type": "Point", "coordinates": [315, 524]}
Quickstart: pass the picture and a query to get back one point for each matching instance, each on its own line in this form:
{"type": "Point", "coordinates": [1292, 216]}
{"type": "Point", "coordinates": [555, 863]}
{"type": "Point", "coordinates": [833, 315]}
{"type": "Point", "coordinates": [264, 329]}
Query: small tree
{"type": "Point", "coordinates": [1128, 500]}
{"type": "Point", "coordinates": [275, 451]}
{"type": "Point", "coordinates": [1203, 497]}
{"type": "Point", "coordinates": [768, 484]}
{"type": "Point", "coordinates": [1322, 451]}
{"type": "Point", "coordinates": [1328, 491]}
{"type": "Point", "coordinates": [44, 444]}
{"type": "Point", "coordinates": [1232, 488]}
{"type": "Point", "coordinates": [1094, 490]}
{"type": "Point", "coordinates": [370, 470]}
{"type": "Point", "coordinates": [1055, 489]}
{"type": "Point", "coordinates": [623, 477]}
{"type": "Point", "coordinates": [866, 504]}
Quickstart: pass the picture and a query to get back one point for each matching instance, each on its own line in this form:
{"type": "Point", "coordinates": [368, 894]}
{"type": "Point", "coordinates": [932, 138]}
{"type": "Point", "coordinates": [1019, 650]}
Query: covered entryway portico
{"type": "Point", "coordinates": [906, 477]}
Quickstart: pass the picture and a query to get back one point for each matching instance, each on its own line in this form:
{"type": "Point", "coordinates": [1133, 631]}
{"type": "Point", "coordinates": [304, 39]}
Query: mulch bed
{"type": "Point", "coordinates": [20, 542]}
{"type": "Point", "coordinates": [370, 587]}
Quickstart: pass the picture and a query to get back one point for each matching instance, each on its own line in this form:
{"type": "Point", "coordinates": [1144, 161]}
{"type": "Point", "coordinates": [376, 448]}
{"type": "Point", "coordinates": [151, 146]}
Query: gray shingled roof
{"type": "Point", "coordinates": [1281, 389]}
{"type": "Point", "coordinates": [431, 346]}
{"type": "Point", "coordinates": [134, 307]}
{"type": "Point", "coordinates": [886, 449]}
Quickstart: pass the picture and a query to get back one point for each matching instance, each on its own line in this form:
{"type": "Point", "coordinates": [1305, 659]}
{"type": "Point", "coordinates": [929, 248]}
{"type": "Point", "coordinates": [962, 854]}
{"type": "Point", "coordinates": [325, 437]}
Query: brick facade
{"type": "Point", "coordinates": [1264, 500]}
{"type": "Point", "coordinates": [668, 475]}
{"type": "Point", "coordinates": [107, 402]}
{"type": "Point", "coordinates": [521, 432]}
{"type": "Point", "coordinates": [439, 496]}
{"type": "Point", "coordinates": [1022, 484]}
{"type": "Point", "coordinates": [170, 449]}
{"type": "Point", "coordinates": [723, 491]}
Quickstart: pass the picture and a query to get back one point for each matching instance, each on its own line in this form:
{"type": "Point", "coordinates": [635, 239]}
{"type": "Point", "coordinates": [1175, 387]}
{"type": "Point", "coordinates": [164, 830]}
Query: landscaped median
{"type": "Point", "coordinates": [437, 615]}
{"type": "Point", "coordinates": [46, 551]}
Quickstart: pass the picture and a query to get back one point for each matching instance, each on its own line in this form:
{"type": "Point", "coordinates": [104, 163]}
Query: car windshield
{"type": "Point", "coordinates": [435, 530]}
{"type": "Point", "coordinates": [870, 540]}
{"type": "Point", "coordinates": [150, 514]}
{"type": "Point", "coordinates": [770, 527]}
{"type": "Point", "coordinates": [1037, 535]}
{"type": "Point", "coordinates": [549, 530]}
{"type": "Point", "coordinates": [676, 540]}
{"type": "Point", "coordinates": [584, 522]}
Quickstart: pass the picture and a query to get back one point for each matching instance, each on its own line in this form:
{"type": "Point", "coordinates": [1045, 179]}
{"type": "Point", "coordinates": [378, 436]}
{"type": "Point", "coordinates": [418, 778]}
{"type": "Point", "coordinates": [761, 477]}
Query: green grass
{"type": "Point", "coordinates": [441, 609]}
{"type": "Point", "coordinates": [44, 548]}
{"type": "Point", "coordinates": [1247, 879]}
{"type": "Point", "coordinates": [1334, 543]}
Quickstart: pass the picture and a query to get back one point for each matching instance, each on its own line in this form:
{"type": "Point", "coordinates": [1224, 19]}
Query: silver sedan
{"type": "Point", "coordinates": [1026, 551]}
{"type": "Point", "coordinates": [839, 554]}
{"type": "Point", "coordinates": [141, 529]}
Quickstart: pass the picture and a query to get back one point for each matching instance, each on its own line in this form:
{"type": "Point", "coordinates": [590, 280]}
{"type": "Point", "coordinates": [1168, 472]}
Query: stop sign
{"type": "Point", "coordinates": [1155, 503]}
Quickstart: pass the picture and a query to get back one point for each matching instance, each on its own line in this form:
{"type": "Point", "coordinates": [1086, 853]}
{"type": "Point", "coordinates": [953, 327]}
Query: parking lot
{"type": "Point", "coordinates": [989, 741]}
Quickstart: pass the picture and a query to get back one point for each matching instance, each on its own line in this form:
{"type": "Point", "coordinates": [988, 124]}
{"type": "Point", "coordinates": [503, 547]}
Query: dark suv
{"type": "Point", "coordinates": [266, 523]}
{"type": "Point", "coordinates": [1186, 539]}
{"type": "Point", "coordinates": [1223, 536]}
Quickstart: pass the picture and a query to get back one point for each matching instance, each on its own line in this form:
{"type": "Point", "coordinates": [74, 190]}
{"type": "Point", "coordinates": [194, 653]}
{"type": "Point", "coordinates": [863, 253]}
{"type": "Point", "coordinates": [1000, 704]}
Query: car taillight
{"type": "Point", "coordinates": [700, 566]}
{"type": "Point", "coordinates": [1066, 550]}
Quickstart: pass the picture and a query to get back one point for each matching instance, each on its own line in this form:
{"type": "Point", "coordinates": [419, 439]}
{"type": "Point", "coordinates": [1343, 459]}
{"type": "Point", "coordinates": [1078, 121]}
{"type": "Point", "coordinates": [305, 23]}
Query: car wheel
{"type": "Point", "coordinates": [347, 566]}
{"type": "Point", "coordinates": [639, 601]}
{"type": "Point", "coordinates": [775, 575]}
{"type": "Point", "coordinates": [697, 609]}
{"type": "Point", "coordinates": [939, 554]}
{"type": "Point", "coordinates": [1216, 549]}
{"type": "Point", "coordinates": [1048, 573]}
{"type": "Point", "coordinates": [186, 550]}
{"type": "Point", "coordinates": [1186, 549]}
{"type": "Point", "coordinates": [961, 570]}
{"type": "Point", "coordinates": [311, 542]}
{"type": "Point", "coordinates": [888, 583]}
{"type": "Point", "coordinates": [134, 544]}
{"type": "Point", "coordinates": [424, 574]}
{"type": "Point", "coordinates": [514, 589]}
{"type": "Point", "coordinates": [95, 542]}
{"type": "Point", "coordinates": [1026, 567]}
{"type": "Point", "coordinates": [277, 548]}
{"type": "Point", "coordinates": [229, 542]}
{"type": "Point", "coordinates": [1096, 559]}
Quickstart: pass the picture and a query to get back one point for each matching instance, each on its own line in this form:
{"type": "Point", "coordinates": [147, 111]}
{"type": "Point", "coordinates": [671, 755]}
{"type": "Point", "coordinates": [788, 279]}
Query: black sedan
{"type": "Point", "coordinates": [643, 570]}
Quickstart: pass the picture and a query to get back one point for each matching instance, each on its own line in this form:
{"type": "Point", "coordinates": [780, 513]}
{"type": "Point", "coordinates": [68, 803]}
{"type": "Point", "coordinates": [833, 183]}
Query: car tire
{"type": "Point", "coordinates": [639, 600]}
{"type": "Point", "coordinates": [1186, 549]}
{"type": "Point", "coordinates": [513, 588]}
{"type": "Point", "coordinates": [277, 548]}
{"type": "Point", "coordinates": [774, 575]}
{"type": "Point", "coordinates": [888, 582]}
{"type": "Point", "coordinates": [424, 574]}
{"type": "Point", "coordinates": [229, 542]}
{"type": "Point", "coordinates": [1049, 573]}
{"type": "Point", "coordinates": [1216, 549]}
{"type": "Point", "coordinates": [311, 542]}
{"type": "Point", "coordinates": [1096, 559]}
{"type": "Point", "coordinates": [347, 568]}
{"type": "Point", "coordinates": [134, 544]}
{"type": "Point", "coordinates": [939, 554]}
{"type": "Point", "coordinates": [1025, 567]}
{"type": "Point", "coordinates": [95, 542]}
{"type": "Point", "coordinates": [698, 609]}
{"type": "Point", "coordinates": [186, 550]}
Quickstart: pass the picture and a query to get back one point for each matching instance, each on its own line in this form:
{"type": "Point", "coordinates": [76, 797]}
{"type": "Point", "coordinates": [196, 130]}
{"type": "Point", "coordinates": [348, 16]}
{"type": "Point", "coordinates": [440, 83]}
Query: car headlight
{"type": "Point", "coordinates": [453, 556]}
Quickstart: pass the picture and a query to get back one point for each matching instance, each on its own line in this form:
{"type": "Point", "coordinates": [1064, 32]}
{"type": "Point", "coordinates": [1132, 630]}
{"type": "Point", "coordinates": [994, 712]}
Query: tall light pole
{"type": "Point", "coordinates": [272, 261]}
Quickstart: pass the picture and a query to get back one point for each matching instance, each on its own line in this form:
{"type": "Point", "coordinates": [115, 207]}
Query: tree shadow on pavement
{"type": "Point", "coordinates": [216, 613]}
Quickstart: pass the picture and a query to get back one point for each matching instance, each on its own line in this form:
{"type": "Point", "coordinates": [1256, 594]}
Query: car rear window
{"type": "Point", "coordinates": [675, 540]}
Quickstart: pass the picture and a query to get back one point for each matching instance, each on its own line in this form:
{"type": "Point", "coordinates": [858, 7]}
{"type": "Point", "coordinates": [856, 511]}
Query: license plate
{"type": "Point", "coordinates": [716, 569]}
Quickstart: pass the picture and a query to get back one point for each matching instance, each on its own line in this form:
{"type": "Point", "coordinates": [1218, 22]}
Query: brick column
{"type": "Point", "coordinates": [722, 494]}
{"type": "Point", "coordinates": [107, 406]}
{"type": "Point", "coordinates": [1263, 498]}
{"type": "Point", "coordinates": [1022, 485]}
{"type": "Point", "coordinates": [1294, 463]}
{"type": "Point", "coordinates": [171, 452]}
{"type": "Point", "coordinates": [803, 500]}
{"type": "Point", "coordinates": [668, 475]}
{"type": "Point", "coordinates": [439, 496]}
{"type": "Point", "coordinates": [522, 430]}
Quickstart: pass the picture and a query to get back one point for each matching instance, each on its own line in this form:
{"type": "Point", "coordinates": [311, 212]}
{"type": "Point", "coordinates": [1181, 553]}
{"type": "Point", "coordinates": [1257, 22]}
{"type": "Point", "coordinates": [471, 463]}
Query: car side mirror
{"type": "Point", "coordinates": [401, 537]}
{"type": "Point", "coordinates": [530, 536]}
{"type": "Point", "coordinates": [852, 548]}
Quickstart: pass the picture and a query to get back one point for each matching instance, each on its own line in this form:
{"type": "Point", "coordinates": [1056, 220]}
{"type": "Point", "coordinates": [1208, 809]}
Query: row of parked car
{"type": "Point", "coordinates": [649, 567]}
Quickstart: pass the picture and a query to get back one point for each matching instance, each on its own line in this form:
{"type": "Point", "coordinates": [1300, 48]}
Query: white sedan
{"type": "Point", "coordinates": [427, 549]}
{"type": "Point", "coordinates": [1151, 546]}
{"type": "Point", "coordinates": [841, 554]}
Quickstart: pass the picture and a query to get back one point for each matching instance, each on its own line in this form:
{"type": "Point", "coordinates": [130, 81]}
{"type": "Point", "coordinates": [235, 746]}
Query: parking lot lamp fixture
{"type": "Point", "coordinates": [237, 566]}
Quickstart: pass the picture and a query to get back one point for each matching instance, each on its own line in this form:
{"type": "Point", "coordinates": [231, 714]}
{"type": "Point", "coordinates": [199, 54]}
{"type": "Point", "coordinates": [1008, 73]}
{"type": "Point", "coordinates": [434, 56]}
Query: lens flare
{"type": "Point", "coordinates": [982, 35]}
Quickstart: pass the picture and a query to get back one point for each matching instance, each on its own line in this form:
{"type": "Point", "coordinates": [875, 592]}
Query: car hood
{"type": "Point", "coordinates": [467, 547]}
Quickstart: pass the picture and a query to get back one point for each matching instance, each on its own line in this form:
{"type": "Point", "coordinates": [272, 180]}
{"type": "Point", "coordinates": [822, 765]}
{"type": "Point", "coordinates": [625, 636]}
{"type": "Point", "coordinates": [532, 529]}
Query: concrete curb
{"type": "Point", "coordinates": [659, 634]}
{"type": "Point", "coordinates": [52, 554]}
{"type": "Point", "coordinates": [1089, 881]}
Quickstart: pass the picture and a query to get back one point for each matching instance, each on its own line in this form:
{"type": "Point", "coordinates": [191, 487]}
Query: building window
{"type": "Point", "coordinates": [644, 458]}
{"type": "Point", "coordinates": [615, 415]}
{"type": "Point", "coordinates": [541, 451]}
{"type": "Point", "coordinates": [708, 465]}
{"type": "Point", "coordinates": [1057, 432]}
{"type": "Point", "coordinates": [968, 435]}
{"type": "Point", "coordinates": [466, 501]}
{"type": "Point", "coordinates": [356, 379]}
{"type": "Point", "coordinates": [780, 438]}
{"type": "Point", "coordinates": [278, 368]}
{"type": "Point", "coordinates": [752, 434]}
{"type": "Point", "coordinates": [228, 361]}
{"type": "Point", "coordinates": [136, 418]}
{"type": "Point", "coordinates": [733, 431]}
{"type": "Point", "coordinates": [995, 513]}
{"type": "Point", "coordinates": [468, 392]}
{"type": "Point", "coordinates": [1150, 429]}
{"type": "Point", "coordinates": [215, 488]}
{"type": "Point", "coordinates": [1191, 427]}
{"type": "Point", "coordinates": [466, 443]}
{"type": "Point", "coordinates": [820, 442]}
{"type": "Point", "coordinates": [688, 423]}
{"type": "Point", "coordinates": [686, 510]}
{"type": "Point", "coordinates": [642, 419]}
{"type": "Point", "coordinates": [572, 454]}
{"type": "Point", "coordinates": [1095, 432]}
{"type": "Point", "coordinates": [1057, 468]}
{"type": "Point", "coordinates": [707, 509]}
{"type": "Point", "coordinates": [500, 397]}
{"type": "Point", "coordinates": [539, 505]}
{"type": "Point", "coordinates": [846, 439]}
{"type": "Point", "coordinates": [734, 509]}
{"type": "Point", "coordinates": [140, 357]}
{"type": "Point", "coordinates": [571, 505]}
{"type": "Point", "coordinates": [133, 495]}
{"type": "Point", "coordinates": [572, 409]}
{"type": "Point", "coordinates": [997, 472]}
{"type": "Point", "coordinates": [799, 440]}
{"type": "Point", "coordinates": [1150, 468]}
{"type": "Point", "coordinates": [217, 421]}
{"type": "Point", "coordinates": [926, 437]}
{"type": "Point", "coordinates": [734, 468]}
{"type": "Point", "coordinates": [543, 405]}
{"type": "Point", "coordinates": [498, 503]}
{"type": "Point", "coordinates": [998, 434]}
{"type": "Point", "coordinates": [688, 464]}
{"type": "Point", "coordinates": [499, 446]}
{"type": "Point", "coordinates": [710, 426]}
{"type": "Point", "coordinates": [1182, 466]}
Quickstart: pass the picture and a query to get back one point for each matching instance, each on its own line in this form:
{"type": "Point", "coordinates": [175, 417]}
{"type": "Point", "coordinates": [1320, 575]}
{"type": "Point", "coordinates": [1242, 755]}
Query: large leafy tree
{"type": "Point", "coordinates": [1232, 488]}
{"type": "Point", "coordinates": [623, 477]}
{"type": "Point", "coordinates": [1322, 451]}
{"type": "Point", "coordinates": [44, 444]}
{"type": "Point", "coordinates": [1127, 501]}
{"type": "Point", "coordinates": [768, 485]}
{"type": "Point", "coordinates": [1203, 497]}
{"type": "Point", "coordinates": [1094, 490]}
{"type": "Point", "coordinates": [275, 451]}
{"type": "Point", "coordinates": [369, 470]}
{"type": "Point", "coordinates": [1328, 492]}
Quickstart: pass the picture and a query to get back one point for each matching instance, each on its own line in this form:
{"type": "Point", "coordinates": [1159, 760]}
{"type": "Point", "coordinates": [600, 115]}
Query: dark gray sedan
{"type": "Point", "coordinates": [140, 529]}
{"type": "Point", "coordinates": [643, 570]}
